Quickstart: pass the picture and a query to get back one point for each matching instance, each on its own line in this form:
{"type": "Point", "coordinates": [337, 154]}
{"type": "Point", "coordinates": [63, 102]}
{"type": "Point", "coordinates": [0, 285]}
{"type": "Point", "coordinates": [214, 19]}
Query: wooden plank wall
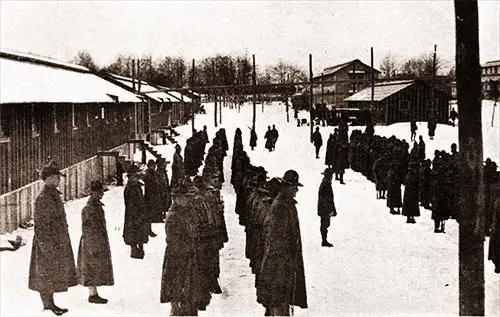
{"type": "Point", "coordinates": [17, 206]}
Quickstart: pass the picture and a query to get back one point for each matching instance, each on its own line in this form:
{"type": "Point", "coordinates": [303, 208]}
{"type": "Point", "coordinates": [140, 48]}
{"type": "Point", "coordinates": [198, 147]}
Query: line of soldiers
{"type": "Point", "coordinates": [195, 151]}
{"type": "Point", "coordinates": [195, 233]}
{"type": "Point", "coordinates": [266, 208]}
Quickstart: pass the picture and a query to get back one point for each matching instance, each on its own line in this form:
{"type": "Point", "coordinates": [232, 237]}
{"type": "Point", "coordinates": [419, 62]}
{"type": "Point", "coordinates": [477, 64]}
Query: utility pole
{"type": "Point", "coordinates": [432, 83]}
{"type": "Point", "coordinates": [215, 95]}
{"type": "Point", "coordinates": [192, 104]}
{"type": "Point", "coordinates": [372, 79]}
{"type": "Point", "coordinates": [470, 138]}
{"type": "Point", "coordinates": [323, 106]}
{"type": "Point", "coordinates": [254, 82]}
{"type": "Point", "coordinates": [310, 96]}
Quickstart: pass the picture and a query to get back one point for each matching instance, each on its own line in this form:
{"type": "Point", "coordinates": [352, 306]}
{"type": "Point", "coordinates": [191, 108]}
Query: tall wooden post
{"type": "Point", "coordinates": [432, 84]}
{"type": "Point", "coordinates": [310, 96]}
{"type": "Point", "coordinates": [372, 79]}
{"type": "Point", "coordinates": [192, 104]}
{"type": "Point", "coordinates": [220, 107]}
{"type": "Point", "coordinates": [254, 82]}
{"type": "Point", "coordinates": [133, 74]}
{"type": "Point", "coordinates": [323, 106]}
{"type": "Point", "coordinates": [287, 107]}
{"type": "Point", "coordinates": [470, 137]}
{"type": "Point", "coordinates": [215, 94]}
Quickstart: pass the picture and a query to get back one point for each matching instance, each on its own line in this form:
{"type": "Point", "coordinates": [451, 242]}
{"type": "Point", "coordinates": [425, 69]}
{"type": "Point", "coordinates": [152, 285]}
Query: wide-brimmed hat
{"type": "Point", "coordinates": [151, 162]}
{"type": "Point", "coordinates": [290, 178]}
{"type": "Point", "coordinates": [51, 169]}
{"type": "Point", "coordinates": [97, 185]}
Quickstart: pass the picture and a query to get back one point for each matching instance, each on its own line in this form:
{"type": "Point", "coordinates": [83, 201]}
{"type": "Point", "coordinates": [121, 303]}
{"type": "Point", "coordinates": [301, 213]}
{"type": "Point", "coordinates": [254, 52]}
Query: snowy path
{"type": "Point", "coordinates": [379, 266]}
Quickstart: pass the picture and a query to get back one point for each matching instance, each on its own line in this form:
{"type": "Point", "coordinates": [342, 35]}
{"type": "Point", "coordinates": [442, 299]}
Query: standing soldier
{"type": "Point", "coordinates": [165, 200]}
{"type": "Point", "coordinates": [269, 140]}
{"type": "Point", "coordinates": [410, 200]}
{"type": "Point", "coordinates": [52, 265]}
{"type": "Point", "coordinates": [453, 116]}
{"type": "Point", "coordinates": [413, 128]}
{"type": "Point", "coordinates": [180, 272]}
{"type": "Point", "coordinates": [421, 148]}
{"type": "Point", "coordinates": [120, 170]}
{"type": "Point", "coordinates": [281, 279]}
{"type": "Point", "coordinates": [431, 126]}
{"type": "Point", "coordinates": [136, 225]}
{"type": "Point", "coordinates": [274, 136]}
{"type": "Point", "coordinates": [424, 184]}
{"type": "Point", "coordinates": [494, 247]}
{"type": "Point", "coordinates": [94, 254]}
{"type": "Point", "coordinates": [393, 189]}
{"type": "Point", "coordinates": [253, 138]}
{"type": "Point", "coordinates": [178, 173]}
{"type": "Point", "coordinates": [151, 195]}
{"type": "Point", "coordinates": [326, 205]}
{"type": "Point", "coordinates": [330, 147]}
{"type": "Point", "coordinates": [317, 141]}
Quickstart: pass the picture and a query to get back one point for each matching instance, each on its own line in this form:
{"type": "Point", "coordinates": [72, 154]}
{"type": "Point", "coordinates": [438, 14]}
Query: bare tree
{"type": "Point", "coordinates": [421, 66]}
{"type": "Point", "coordinates": [283, 72]}
{"type": "Point", "coordinates": [83, 58]}
{"type": "Point", "coordinates": [388, 66]}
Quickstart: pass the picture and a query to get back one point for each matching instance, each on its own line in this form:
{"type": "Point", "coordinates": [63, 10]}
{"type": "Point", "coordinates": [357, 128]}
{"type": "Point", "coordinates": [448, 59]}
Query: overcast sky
{"type": "Point", "coordinates": [333, 31]}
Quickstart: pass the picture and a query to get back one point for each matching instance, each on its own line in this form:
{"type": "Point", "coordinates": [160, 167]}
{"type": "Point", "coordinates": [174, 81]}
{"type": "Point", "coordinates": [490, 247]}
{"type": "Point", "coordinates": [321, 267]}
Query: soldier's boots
{"type": "Point", "coordinates": [325, 243]}
{"type": "Point", "coordinates": [96, 299]}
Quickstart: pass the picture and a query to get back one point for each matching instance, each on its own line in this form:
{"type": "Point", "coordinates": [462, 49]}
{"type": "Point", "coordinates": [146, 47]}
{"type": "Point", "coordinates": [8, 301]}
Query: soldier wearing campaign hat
{"type": "Point", "coordinates": [52, 265]}
{"type": "Point", "coordinates": [94, 254]}
{"type": "Point", "coordinates": [136, 225]}
{"type": "Point", "coordinates": [281, 281]}
{"type": "Point", "coordinates": [326, 205]}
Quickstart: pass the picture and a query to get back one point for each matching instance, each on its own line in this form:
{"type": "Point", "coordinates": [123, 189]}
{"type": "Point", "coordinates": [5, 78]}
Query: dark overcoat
{"type": "Point", "coordinates": [94, 266]}
{"type": "Point", "coordinates": [410, 199]}
{"type": "Point", "coordinates": [424, 185]}
{"type": "Point", "coordinates": [281, 278]}
{"type": "Point", "coordinates": [178, 173]}
{"type": "Point", "coordinates": [269, 140]}
{"type": "Point", "coordinates": [164, 190]}
{"type": "Point", "coordinates": [393, 189]}
{"type": "Point", "coordinates": [152, 194]}
{"type": "Point", "coordinates": [136, 226]}
{"type": "Point", "coordinates": [52, 265]}
{"type": "Point", "coordinates": [317, 139]}
{"type": "Point", "coordinates": [494, 247]}
{"type": "Point", "coordinates": [179, 266]}
{"type": "Point", "coordinates": [253, 138]}
{"type": "Point", "coordinates": [330, 154]}
{"type": "Point", "coordinates": [326, 205]}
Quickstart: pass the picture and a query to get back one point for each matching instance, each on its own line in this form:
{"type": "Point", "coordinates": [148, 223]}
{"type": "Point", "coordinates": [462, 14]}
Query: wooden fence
{"type": "Point", "coordinates": [16, 207]}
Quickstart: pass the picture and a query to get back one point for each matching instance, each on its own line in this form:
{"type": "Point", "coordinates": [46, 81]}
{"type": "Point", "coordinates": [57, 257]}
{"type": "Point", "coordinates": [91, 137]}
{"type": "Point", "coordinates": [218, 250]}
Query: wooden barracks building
{"type": "Point", "coordinates": [62, 112]}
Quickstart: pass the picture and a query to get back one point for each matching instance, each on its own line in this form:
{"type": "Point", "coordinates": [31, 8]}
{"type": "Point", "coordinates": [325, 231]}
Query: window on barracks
{"type": "Point", "coordinates": [4, 127]}
{"type": "Point", "coordinates": [88, 117]}
{"type": "Point", "coordinates": [35, 131]}
{"type": "Point", "coordinates": [54, 112]}
{"type": "Point", "coordinates": [73, 117]}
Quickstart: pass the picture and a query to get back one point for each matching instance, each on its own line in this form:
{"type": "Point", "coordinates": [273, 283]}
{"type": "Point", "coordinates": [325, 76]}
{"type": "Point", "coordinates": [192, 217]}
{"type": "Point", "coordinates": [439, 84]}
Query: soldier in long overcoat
{"type": "Point", "coordinates": [180, 272]}
{"type": "Point", "coordinates": [52, 264]}
{"type": "Point", "coordinates": [410, 198]}
{"type": "Point", "coordinates": [268, 136]}
{"type": "Point", "coordinates": [136, 225]}
{"type": "Point", "coordinates": [330, 149]}
{"type": "Point", "coordinates": [317, 140]}
{"type": "Point", "coordinates": [494, 247]}
{"type": "Point", "coordinates": [274, 137]}
{"type": "Point", "coordinates": [165, 199]}
{"type": "Point", "coordinates": [178, 173]}
{"type": "Point", "coordinates": [326, 205]}
{"type": "Point", "coordinates": [253, 138]}
{"type": "Point", "coordinates": [152, 195]}
{"type": "Point", "coordinates": [424, 184]}
{"type": "Point", "coordinates": [393, 189]}
{"type": "Point", "coordinates": [94, 266]}
{"type": "Point", "coordinates": [281, 279]}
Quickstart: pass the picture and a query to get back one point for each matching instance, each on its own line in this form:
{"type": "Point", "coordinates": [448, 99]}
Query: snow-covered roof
{"type": "Point", "coordinates": [179, 96]}
{"type": "Point", "coordinates": [23, 82]}
{"type": "Point", "coordinates": [151, 91]}
{"type": "Point", "coordinates": [13, 54]}
{"type": "Point", "coordinates": [381, 91]}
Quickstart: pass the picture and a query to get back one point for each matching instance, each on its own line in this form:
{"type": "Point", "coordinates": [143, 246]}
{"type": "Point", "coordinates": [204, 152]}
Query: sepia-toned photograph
{"type": "Point", "coordinates": [250, 158]}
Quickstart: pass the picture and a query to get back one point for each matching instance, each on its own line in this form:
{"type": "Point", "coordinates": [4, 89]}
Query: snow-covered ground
{"type": "Point", "coordinates": [379, 266]}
